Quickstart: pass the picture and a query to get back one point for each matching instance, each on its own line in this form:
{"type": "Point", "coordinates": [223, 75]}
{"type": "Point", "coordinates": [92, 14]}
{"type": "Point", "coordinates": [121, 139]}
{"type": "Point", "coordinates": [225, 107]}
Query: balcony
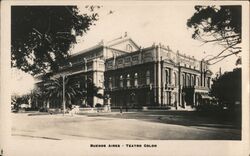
{"type": "Point", "coordinates": [169, 86]}
{"type": "Point", "coordinates": [201, 88]}
{"type": "Point", "coordinates": [196, 87]}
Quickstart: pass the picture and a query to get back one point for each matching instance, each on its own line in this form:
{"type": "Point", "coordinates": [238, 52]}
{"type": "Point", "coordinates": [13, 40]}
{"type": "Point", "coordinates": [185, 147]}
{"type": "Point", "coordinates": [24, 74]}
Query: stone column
{"type": "Point", "coordinates": [158, 59]}
{"type": "Point", "coordinates": [194, 99]}
{"type": "Point", "coordinates": [179, 86]}
{"type": "Point", "coordinates": [98, 78]}
{"type": "Point", "coordinates": [155, 84]}
{"type": "Point", "coordinates": [162, 84]}
{"type": "Point", "coordinates": [164, 98]}
{"type": "Point", "coordinates": [184, 102]}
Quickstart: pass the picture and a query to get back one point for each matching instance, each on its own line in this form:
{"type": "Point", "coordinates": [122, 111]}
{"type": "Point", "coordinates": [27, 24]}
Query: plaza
{"type": "Point", "coordinates": [147, 125]}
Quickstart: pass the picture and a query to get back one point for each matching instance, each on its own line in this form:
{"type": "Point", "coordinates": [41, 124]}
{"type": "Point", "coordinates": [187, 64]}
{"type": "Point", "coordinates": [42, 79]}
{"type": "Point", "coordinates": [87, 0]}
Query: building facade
{"type": "Point", "coordinates": [131, 76]}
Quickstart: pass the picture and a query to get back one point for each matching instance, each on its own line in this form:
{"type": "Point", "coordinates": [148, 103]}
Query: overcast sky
{"type": "Point", "coordinates": [147, 24]}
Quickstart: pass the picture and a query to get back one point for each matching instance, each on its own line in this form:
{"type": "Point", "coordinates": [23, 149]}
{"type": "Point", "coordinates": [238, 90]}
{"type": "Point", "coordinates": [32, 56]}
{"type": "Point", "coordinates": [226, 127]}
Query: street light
{"type": "Point", "coordinates": [85, 77]}
{"type": "Point", "coordinates": [85, 71]}
{"type": "Point", "coordinates": [63, 76]}
{"type": "Point", "coordinates": [64, 100]}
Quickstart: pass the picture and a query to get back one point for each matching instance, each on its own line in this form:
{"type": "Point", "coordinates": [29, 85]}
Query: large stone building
{"type": "Point", "coordinates": [132, 76]}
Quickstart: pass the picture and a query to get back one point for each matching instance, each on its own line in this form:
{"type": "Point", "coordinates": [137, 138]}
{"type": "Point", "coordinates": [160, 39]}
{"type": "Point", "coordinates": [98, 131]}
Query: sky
{"type": "Point", "coordinates": [148, 24]}
{"type": "Point", "coordinates": [145, 24]}
{"type": "Point", "coordinates": [22, 83]}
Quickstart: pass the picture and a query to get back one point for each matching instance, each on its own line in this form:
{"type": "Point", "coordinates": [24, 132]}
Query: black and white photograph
{"type": "Point", "coordinates": [125, 77]}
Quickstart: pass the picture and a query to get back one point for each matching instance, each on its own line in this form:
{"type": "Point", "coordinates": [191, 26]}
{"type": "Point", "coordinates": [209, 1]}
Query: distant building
{"type": "Point", "coordinates": [134, 77]}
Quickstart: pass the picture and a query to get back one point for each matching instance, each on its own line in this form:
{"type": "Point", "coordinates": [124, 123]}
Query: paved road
{"type": "Point", "coordinates": [129, 126]}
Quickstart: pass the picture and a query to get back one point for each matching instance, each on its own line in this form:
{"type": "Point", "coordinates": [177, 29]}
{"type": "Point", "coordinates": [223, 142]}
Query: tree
{"type": "Point", "coordinates": [41, 36]}
{"type": "Point", "coordinates": [227, 88]}
{"type": "Point", "coordinates": [17, 100]}
{"type": "Point", "coordinates": [92, 91]}
{"type": "Point", "coordinates": [52, 90]}
{"type": "Point", "coordinates": [218, 24]}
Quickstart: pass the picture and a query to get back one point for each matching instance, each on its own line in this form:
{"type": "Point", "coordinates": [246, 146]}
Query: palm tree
{"type": "Point", "coordinates": [52, 90]}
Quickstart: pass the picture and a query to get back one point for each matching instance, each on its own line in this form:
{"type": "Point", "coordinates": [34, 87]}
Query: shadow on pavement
{"type": "Point", "coordinates": [185, 118]}
{"type": "Point", "coordinates": [29, 136]}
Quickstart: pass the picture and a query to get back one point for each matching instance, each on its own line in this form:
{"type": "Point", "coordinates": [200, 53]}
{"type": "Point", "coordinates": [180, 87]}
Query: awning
{"type": "Point", "coordinates": [205, 96]}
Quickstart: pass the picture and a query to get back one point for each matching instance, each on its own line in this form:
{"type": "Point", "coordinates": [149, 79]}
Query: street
{"type": "Point", "coordinates": [150, 125]}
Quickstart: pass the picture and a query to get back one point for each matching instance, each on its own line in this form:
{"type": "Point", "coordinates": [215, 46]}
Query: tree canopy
{"type": "Point", "coordinates": [51, 89]}
{"type": "Point", "coordinates": [41, 36]}
{"type": "Point", "coordinates": [218, 24]}
{"type": "Point", "coordinates": [227, 87]}
{"type": "Point", "coordinates": [92, 91]}
{"type": "Point", "coordinates": [76, 90]}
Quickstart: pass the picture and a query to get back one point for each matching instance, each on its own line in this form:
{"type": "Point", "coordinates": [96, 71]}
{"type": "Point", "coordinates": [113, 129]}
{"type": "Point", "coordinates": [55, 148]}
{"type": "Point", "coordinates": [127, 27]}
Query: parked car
{"type": "Point", "coordinates": [24, 105]}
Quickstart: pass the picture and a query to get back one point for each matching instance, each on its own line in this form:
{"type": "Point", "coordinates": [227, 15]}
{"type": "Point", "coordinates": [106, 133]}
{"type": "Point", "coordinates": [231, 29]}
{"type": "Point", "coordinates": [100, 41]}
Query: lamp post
{"type": "Point", "coordinates": [85, 70]}
{"type": "Point", "coordinates": [133, 98]}
{"type": "Point", "coordinates": [63, 94]}
{"type": "Point", "coordinates": [85, 77]}
{"type": "Point", "coordinates": [64, 100]}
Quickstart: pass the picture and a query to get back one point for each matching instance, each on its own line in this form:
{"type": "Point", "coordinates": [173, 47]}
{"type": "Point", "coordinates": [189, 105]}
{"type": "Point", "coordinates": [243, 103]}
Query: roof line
{"type": "Point", "coordinates": [86, 50]}
{"type": "Point", "coordinates": [122, 40]}
{"type": "Point", "coordinates": [132, 53]}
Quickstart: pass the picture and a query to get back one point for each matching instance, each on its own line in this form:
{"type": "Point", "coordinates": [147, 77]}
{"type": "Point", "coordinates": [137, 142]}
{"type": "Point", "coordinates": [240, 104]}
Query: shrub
{"type": "Point", "coordinates": [43, 110]}
{"type": "Point", "coordinates": [98, 105]}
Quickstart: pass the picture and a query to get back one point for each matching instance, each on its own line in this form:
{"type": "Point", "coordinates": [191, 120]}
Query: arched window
{"type": "Point", "coordinates": [136, 80]}
{"type": "Point", "coordinates": [192, 80]}
{"type": "Point", "coordinates": [188, 80]}
{"type": "Point", "coordinates": [167, 77]}
{"type": "Point", "coordinates": [110, 82]}
{"type": "Point", "coordinates": [208, 82]}
{"type": "Point", "coordinates": [175, 79]}
{"type": "Point", "coordinates": [114, 82]}
{"type": "Point", "coordinates": [121, 81]}
{"type": "Point", "coordinates": [183, 80]}
{"type": "Point", "coordinates": [128, 80]}
{"type": "Point", "coordinates": [148, 77]}
{"type": "Point", "coordinates": [129, 48]}
{"type": "Point", "coordinates": [197, 81]}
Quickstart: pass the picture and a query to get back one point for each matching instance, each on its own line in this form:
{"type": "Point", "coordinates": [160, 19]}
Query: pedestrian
{"type": "Point", "coordinates": [71, 110]}
{"type": "Point", "coordinates": [175, 104]}
{"type": "Point", "coordinates": [121, 109]}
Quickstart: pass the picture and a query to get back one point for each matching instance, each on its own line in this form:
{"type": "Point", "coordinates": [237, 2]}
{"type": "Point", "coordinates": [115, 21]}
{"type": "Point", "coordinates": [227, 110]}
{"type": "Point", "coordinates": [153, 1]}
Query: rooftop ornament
{"type": "Point", "coordinates": [125, 34]}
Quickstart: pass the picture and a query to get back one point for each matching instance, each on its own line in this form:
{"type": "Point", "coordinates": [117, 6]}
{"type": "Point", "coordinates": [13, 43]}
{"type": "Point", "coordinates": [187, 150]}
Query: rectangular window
{"type": "Point", "coordinates": [135, 58]}
{"type": "Point", "coordinates": [110, 63]}
{"type": "Point", "coordinates": [148, 77]}
{"type": "Point", "coordinates": [110, 83]}
{"type": "Point", "coordinates": [148, 80]}
{"type": "Point", "coordinates": [120, 61]}
{"type": "Point", "coordinates": [128, 82]}
{"type": "Point", "coordinates": [147, 55]}
{"type": "Point", "coordinates": [127, 59]}
{"type": "Point", "coordinates": [136, 82]}
{"type": "Point", "coordinates": [121, 83]}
